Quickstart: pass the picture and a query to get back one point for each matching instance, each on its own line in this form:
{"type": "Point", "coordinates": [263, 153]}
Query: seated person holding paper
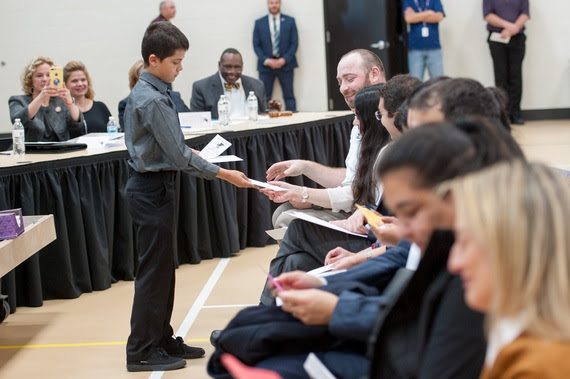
{"type": "Point", "coordinates": [307, 246]}
{"type": "Point", "coordinates": [230, 82]}
{"type": "Point", "coordinates": [363, 190]}
{"type": "Point", "coordinates": [46, 111]}
{"type": "Point", "coordinates": [134, 74]}
{"type": "Point", "coordinates": [356, 69]}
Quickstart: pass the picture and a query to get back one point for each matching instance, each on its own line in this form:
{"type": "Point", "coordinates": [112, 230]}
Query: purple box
{"type": "Point", "coordinates": [11, 223]}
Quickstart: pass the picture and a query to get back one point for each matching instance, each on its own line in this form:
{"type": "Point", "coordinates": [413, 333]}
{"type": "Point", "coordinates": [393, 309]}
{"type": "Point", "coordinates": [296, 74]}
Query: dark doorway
{"type": "Point", "coordinates": [376, 25]}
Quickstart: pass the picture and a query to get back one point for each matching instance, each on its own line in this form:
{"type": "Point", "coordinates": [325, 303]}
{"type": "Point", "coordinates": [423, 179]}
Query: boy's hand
{"type": "Point", "coordinates": [237, 178]}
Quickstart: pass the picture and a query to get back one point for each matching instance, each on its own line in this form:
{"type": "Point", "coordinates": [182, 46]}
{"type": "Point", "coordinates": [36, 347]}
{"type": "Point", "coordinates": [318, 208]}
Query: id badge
{"type": "Point", "coordinates": [425, 31]}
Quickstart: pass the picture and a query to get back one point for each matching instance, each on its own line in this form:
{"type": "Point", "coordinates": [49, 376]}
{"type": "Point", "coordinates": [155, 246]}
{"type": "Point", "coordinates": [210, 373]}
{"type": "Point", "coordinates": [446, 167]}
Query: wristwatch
{"type": "Point", "coordinates": [304, 195]}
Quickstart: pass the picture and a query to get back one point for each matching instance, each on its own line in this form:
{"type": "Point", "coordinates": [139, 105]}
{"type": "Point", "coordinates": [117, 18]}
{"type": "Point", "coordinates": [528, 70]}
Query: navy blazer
{"type": "Point", "coordinates": [206, 93]}
{"type": "Point", "coordinates": [288, 42]}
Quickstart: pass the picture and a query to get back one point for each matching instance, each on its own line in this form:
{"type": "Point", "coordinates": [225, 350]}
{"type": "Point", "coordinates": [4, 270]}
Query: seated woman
{"type": "Point", "coordinates": [134, 74]}
{"type": "Point", "coordinates": [512, 251]}
{"type": "Point", "coordinates": [96, 113]}
{"type": "Point", "coordinates": [48, 113]}
{"type": "Point", "coordinates": [312, 239]}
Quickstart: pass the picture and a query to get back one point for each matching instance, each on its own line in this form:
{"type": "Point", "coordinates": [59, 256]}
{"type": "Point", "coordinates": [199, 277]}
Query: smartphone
{"type": "Point", "coordinates": [372, 217]}
{"type": "Point", "coordinates": [56, 77]}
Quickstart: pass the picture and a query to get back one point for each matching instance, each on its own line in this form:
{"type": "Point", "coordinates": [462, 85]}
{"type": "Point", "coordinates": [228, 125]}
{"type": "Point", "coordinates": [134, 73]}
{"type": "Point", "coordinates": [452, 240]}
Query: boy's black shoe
{"type": "Point", "coordinates": [158, 361]}
{"type": "Point", "coordinates": [175, 347]}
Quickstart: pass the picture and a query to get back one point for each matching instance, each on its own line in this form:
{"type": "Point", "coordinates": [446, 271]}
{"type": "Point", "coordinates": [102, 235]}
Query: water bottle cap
{"type": "Point", "coordinates": [17, 120]}
{"type": "Point", "coordinates": [111, 118]}
{"type": "Point", "coordinates": [251, 93]}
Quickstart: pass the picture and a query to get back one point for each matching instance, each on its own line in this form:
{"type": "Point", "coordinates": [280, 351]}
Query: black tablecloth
{"type": "Point", "coordinates": [95, 246]}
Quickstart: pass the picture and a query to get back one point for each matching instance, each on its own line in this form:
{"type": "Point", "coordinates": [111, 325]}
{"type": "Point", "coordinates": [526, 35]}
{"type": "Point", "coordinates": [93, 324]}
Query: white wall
{"type": "Point", "coordinates": [106, 36]}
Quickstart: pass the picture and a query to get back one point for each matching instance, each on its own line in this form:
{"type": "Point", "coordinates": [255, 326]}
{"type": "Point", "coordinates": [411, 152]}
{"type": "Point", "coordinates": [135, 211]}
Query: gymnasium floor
{"type": "Point", "coordinates": [85, 337]}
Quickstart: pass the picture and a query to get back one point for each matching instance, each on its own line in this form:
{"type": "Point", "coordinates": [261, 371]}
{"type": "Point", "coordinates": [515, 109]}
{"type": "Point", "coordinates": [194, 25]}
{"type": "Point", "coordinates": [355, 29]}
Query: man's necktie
{"type": "Point", "coordinates": [229, 86]}
{"type": "Point", "coordinates": [275, 38]}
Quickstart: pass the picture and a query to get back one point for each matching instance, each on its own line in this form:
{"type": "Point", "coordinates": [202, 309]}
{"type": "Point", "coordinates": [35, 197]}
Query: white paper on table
{"type": "Point", "coordinates": [100, 140]}
{"type": "Point", "coordinates": [497, 37]}
{"type": "Point", "coordinates": [326, 224]}
{"type": "Point", "coordinates": [267, 185]}
{"type": "Point", "coordinates": [225, 158]}
{"type": "Point", "coordinates": [195, 119]}
{"type": "Point", "coordinates": [215, 147]}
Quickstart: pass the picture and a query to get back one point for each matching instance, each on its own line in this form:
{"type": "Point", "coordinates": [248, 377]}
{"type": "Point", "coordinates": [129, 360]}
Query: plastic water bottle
{"type": "Point", "coordinates": [112, 126]}
{"type": "Point", "coordinates": [224, 111]}
{"type": "Point", "coordinates": [18, 138]}
{"type": "Point", "coordinates": [252, 106]}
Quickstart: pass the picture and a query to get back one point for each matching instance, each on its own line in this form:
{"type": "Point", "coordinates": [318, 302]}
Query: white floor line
{"type": "Point", "coordinates": [228, 306]}
{"type": "Point", "coordinates": [198, 304]}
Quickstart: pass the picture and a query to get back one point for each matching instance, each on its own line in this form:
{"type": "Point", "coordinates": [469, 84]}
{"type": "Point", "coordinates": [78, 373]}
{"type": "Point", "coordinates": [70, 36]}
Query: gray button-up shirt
{"type": "Point", "coordinates": [152, 132]}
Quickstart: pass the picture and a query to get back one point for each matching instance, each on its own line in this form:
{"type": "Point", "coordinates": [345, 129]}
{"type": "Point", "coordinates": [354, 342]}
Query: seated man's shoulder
{"type": "Point", "coordinates": [205, 81]}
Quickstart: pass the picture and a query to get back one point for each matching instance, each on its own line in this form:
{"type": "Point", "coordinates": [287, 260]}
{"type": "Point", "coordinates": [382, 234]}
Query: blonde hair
{"type": "Point", "coordinates": [28, 73]}
{"type": "Point", "coordinates": [521, 212]}
{"type": "Point", "coordinates": [73, 66]}
{"type": "Point", "coordinates": [135, 72]}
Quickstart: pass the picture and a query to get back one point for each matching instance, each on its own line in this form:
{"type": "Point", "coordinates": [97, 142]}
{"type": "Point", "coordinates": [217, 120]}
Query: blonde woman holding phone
{"type": "Point", "coordinates": [47, 112]}
{"type": "Point", "coordinates": [512, 251]}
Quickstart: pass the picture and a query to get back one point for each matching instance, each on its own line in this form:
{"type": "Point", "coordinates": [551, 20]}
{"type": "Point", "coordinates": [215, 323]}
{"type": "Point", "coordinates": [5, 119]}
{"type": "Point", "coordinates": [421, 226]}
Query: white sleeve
{"type": "Point", "coordinates": [341, 198]}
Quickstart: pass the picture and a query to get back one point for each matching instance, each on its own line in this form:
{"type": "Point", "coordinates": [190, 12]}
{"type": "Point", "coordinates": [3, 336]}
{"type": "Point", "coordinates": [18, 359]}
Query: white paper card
{"type": "Point", "coordinates": [276, 234]}
{"type": "Point", "coordinates": [425, 31]}
{"type": "Point", "coordinates": [195, 119]}
{"type": "Point", "coordinates": [217, 146]}
{"type": "Point", "coordinates": [316, 369]}
{"type": "Point", "coordinates": [324, 271]}
{"type": "Point", "coordinates": [326, 224]}
{"type": "Point", "coordinates": [267, 185]}
{"type": "Point", "coordinates": [225, 158]}
{"type": "Point", "coordinates": [496, 37]}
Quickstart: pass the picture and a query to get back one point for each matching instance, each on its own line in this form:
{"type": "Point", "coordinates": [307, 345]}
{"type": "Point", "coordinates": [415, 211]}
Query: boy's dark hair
{"type": "Point", "coordinates": [397, 90]}
{"type": "Point", "coordinates": [162, 39]}
{"type": "Point", "coordinates": [470, 145]}
{"type": "Point", "coordinates": [229, 50]}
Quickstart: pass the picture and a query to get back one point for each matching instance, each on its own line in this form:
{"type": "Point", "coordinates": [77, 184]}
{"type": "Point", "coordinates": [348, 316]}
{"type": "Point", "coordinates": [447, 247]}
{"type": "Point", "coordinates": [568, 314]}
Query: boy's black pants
{"type": "Point", "coordinates": [151, 201]}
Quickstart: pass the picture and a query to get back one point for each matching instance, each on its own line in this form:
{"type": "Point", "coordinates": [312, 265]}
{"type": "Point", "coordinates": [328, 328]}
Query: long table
{"type": "Point", "coordinates": [84, 192]}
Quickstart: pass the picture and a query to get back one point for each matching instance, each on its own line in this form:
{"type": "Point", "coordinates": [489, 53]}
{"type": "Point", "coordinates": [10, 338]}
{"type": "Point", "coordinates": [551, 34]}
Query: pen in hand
{"type": "Point", "coordinates": [275, 282]}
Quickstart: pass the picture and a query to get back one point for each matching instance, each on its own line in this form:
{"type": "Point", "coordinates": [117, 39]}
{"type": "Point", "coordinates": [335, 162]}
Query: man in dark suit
{"type": "Point", "coordinates": [230, 82]}
{"type": "Point", "coordinates": [275, 42]}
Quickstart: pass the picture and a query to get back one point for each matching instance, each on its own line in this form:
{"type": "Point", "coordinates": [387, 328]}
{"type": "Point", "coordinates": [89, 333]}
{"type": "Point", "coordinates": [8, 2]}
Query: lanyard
{"type": "Point", "coordinates": [418, 5]}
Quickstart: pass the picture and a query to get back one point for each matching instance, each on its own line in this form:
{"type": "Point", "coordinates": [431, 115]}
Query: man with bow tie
{"type": "Point", "coordinates": [275, 42]}
{"type": "Point", "coordinates": [230, 82]}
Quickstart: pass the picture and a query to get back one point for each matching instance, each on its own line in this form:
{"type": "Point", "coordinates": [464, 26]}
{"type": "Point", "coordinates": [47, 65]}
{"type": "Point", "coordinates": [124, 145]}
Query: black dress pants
{"type": "Point", "coordinates": [151, 201]}
{"type": "Point", "coordinates": [507, 64]}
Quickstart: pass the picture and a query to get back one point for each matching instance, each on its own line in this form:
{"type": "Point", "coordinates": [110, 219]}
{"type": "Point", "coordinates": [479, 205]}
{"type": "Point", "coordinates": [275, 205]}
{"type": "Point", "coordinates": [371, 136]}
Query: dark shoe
{"type": "Point", "coordinates": [158, 361]}
{"type": "Point", "coordinates": [517, 120]}
{"type": "Point", "coordinates": [214, 337]}
{"type": "Point", "coordinates": [175, 347]}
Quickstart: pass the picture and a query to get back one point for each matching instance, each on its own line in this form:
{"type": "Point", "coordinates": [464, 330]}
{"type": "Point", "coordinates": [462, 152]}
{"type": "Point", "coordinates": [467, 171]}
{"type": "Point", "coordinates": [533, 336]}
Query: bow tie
{"type": "Point", "coordinates": [229, 86]}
